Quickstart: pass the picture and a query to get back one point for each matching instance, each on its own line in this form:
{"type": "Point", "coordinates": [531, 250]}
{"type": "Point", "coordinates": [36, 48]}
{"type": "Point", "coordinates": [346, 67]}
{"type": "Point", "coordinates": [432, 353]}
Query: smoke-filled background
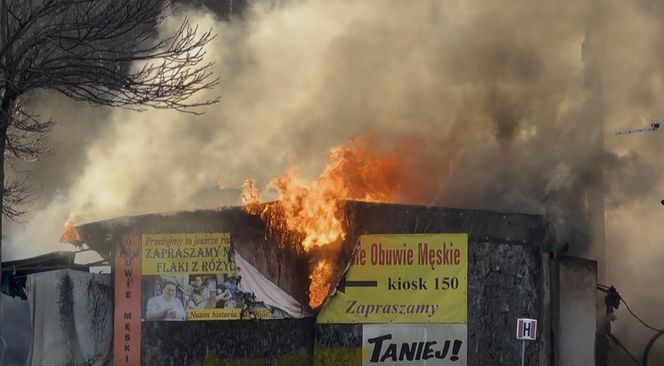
{"type": "Point", "coordinates": [505, 106]}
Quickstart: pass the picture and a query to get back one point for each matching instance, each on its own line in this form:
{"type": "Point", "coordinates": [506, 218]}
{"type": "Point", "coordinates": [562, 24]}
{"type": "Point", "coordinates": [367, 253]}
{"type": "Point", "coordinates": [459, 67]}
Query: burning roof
{"type": "Point", "coordinates": [292, 268]}
{"type": "Point", "coordinates": [279, 264]}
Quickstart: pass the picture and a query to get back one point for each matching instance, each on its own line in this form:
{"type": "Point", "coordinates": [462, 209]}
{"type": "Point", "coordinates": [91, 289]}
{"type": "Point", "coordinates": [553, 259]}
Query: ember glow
{"type": "Point", "coordinates": [310, 214]}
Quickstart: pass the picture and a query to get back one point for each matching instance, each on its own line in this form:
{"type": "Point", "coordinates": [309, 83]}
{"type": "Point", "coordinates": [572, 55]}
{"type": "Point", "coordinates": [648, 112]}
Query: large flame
{"type": "Point", "coordinates": [310, 213]}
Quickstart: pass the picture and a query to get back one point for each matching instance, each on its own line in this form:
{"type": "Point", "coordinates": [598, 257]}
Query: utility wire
{"type": "Point", "coordinates": [610, 290]}
{"type": "Point", "coordinates": [612, 301]}
{"type": "Point", "coordinates": [637, 318]}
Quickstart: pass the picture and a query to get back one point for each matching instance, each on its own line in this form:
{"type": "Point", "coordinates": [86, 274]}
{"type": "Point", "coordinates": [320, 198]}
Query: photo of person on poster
{"type": "Point", "coordinates": [199, 292]}
{"type": "Point", "coordinates": [227, 292]}
{"type": "Point", "coordinates": [224, 298]}
{"type": "Point", "coordinates": [167, 306]}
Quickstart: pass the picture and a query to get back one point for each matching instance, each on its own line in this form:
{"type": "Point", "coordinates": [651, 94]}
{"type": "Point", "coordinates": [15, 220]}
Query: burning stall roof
{"type": "Point", "coordinates": [505, 274]}
{"type": "Point", "coordinates": [287, 265]}
{"type": "Point", "coordinates": [280, 264]}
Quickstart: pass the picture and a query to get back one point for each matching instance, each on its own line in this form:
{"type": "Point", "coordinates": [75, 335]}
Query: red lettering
{"type": "Point", "coordinates": [391, 257]}
{"type": "Point", "coordinates": [374, 254]}
{"type": "Point", "coordinates": [127, 302]}
{"type": "Point", "coordinates": [422, 249]}
{"type": "Point", "coordinates": [444, 256]}
{"type": "Point", "coordinates": [360, 257]}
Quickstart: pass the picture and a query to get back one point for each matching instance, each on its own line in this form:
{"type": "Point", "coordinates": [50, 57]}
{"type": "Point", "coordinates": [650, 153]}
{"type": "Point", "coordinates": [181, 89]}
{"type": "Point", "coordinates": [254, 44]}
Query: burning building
{"type": "Point", "coordinates": [330, 273]}
{"type": "Point", "coordinates": [508, 276]}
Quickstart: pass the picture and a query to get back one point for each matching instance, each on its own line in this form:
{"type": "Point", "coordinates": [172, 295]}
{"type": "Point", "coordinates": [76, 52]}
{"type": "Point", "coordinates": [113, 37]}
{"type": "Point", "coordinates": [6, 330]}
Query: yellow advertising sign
{"type": "Point", "coordinates": [415, 278]}
{"type": "Point", "coordinates": [186, 253]}
{"type": "Point", "coordinates": [193, 276]}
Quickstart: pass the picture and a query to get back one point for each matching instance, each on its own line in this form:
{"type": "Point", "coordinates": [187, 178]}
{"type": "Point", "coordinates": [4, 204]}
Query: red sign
{"type": "Point", "coordinates": [127, 317]}
{"type": "Point", "coordinates": [526, 329]}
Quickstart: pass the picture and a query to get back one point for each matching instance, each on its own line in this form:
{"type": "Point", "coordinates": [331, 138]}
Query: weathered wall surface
{"type": "Point", "coordinates": [242, 342]}
{"type": "Point", "coordinates": [504, 277]}
{"type": "Point", "coordinates": [504, 283]}
{"type": "Point", "coordinates": [576, 315]}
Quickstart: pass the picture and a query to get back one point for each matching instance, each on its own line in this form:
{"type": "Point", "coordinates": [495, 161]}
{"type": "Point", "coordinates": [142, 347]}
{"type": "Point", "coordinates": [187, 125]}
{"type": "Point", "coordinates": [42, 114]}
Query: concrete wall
{"type": "Point", "coordinates": [575, 323]}
{"type": "Point", "coordinates": [242, 342]}
{"type": "Point", "coordinates": [505, 279]}
{"type": "Point", "coordinates": [505, 282]}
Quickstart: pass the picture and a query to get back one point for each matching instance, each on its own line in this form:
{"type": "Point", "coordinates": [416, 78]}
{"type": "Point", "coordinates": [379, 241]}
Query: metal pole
{"type": "Point", "coordinates": [523, 352]}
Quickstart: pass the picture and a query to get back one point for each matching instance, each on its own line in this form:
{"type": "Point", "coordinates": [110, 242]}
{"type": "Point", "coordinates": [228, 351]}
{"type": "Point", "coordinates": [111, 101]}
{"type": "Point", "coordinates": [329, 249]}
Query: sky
{"type": "Point", "coordinates": [499, 106]}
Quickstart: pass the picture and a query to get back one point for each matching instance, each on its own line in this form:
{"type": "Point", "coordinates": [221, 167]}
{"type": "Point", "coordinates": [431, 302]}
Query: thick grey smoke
{"type": "Point", "coordinates": [490, 105]}
{"type": "Point", "coordinates": [504, 100]}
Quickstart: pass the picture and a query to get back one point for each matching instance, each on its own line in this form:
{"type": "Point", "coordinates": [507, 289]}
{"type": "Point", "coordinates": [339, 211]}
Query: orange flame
{"type": "Point", "coordinates": [250, 198]}
{"type": "Point", "coordinates": [70, 235]}
{"type": "Point", "coordinates": [320, 283]}
{"type": "Point", "coordinates": [310, 213]}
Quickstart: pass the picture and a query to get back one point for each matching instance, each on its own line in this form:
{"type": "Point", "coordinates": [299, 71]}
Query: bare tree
{"type": "Point", "coordinates": [24, 142]}
{"type": "Point", "coordinates": [105, 52]}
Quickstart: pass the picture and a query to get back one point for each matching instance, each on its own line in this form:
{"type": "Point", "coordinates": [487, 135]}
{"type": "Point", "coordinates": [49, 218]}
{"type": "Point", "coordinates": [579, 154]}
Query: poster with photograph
{"type": "Point", "coordinates": [193, 276]}
{"type": "Point", "coordinates": [164, 298]}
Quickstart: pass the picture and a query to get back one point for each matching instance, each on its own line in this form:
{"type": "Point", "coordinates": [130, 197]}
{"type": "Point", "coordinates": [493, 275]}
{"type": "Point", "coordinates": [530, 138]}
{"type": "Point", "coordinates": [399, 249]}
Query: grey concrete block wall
{"type": "Point", "coordinates": [185, 343]}
{"type": "Point", "coordinates": [505, 277]}
{"type": "Point", "coordinates": [504, 283]}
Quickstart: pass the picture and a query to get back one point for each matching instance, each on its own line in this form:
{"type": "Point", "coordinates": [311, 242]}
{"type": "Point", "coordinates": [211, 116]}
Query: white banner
{"type": "Point", "coordinates": [266, 291]}
{"type": "Point", "coordinates": [72, 318]}
{"type": "Point", "coordinates": [414, 344]}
